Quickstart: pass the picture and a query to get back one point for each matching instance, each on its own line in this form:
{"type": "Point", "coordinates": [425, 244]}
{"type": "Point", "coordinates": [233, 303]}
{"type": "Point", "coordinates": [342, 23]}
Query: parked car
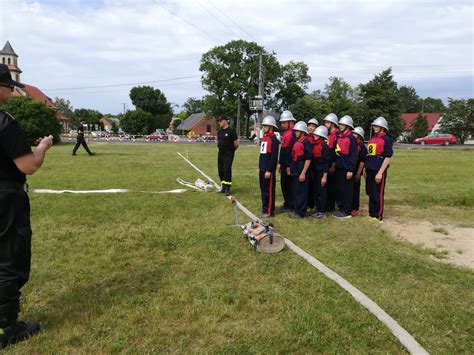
{"type": "Point", "coordinates": [158, 136]}
{"type": "Point", "coordinates": [444, 139]}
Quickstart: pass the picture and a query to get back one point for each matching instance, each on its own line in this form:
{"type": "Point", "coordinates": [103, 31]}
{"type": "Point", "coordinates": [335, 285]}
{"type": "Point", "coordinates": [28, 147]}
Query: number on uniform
{"type": "Point", "coordinates": [372, 149]}
{"type": "Point", "coordinates": [263, 147]}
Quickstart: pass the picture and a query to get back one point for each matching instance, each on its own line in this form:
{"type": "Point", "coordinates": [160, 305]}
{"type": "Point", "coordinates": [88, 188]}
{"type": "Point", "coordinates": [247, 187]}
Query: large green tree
{"type": "Point", "coordinates": [150, 100]}
{"type": "Point", "coordinates": [230, 72]}
{"type": "Point", "coordinates": [291, 85]}
{"type": "Point", "coordinates": [88, 115]}
{"type": "Point", "coordinates": [410, 100]}
{"type": "Point", "coordinates": [338, 97]}
{"type": "Point", "coordinates": [64, 106]}
{"type": "Point", "coordinates": [458, 119]}
{"type": "Point", "coordinates": [136, 121]}
{"type": "Point", "coordinates": [35, 118]}
{"type": "Point", "coordinates": [432, 105]}
{"type": "Point", "coordinates": [308, 107]}
{"type": "Point", "coordinates": [380, 97]}
{"type": "Point", "coordinates": [193, 105]}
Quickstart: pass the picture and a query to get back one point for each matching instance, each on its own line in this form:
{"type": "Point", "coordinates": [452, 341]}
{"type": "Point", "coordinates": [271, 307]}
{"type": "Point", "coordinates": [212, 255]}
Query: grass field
{"type": "Point", "coordinates": [141, 273]}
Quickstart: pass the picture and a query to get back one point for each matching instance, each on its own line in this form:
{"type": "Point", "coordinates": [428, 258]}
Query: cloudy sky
{"type": "Point", "coordinates": [98, 45]}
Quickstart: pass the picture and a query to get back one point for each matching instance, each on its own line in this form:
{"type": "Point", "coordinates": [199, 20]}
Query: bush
{"type": "Point", "coordinates": [35, 118]}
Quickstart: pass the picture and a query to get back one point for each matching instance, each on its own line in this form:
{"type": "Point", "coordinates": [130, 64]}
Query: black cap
{"type": "Point", "coordinates": [6, 77]}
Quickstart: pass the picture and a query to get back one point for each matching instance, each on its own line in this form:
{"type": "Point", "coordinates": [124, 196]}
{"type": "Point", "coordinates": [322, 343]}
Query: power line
{"type": "Point", "coordinates": [125, 84]}
{"type": "Point", "coordinates": [186, 21]}
{"type": "Point", "coordinates": [218, 19]}
{"type": "Point", "coordinates": [231, 20]}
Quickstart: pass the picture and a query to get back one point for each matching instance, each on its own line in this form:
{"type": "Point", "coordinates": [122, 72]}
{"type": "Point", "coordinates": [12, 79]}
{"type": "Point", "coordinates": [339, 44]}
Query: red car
{"type": "Point", "coordinates": [444, 139]}
{"type": "Point", "coordinates": [158, 136]}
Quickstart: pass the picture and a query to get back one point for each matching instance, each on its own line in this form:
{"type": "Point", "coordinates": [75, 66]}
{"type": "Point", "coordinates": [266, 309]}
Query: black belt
{"type": "Point", "coordinates": [13, 185]}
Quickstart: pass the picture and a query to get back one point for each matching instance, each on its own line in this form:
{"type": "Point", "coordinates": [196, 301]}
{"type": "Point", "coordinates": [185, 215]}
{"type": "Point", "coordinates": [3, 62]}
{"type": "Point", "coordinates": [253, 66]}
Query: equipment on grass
{"type": "Point", "coordinates": [199, 185]}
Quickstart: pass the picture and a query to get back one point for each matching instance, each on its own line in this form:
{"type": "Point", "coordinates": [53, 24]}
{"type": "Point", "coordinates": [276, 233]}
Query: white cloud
{"type": "Point", "coordinates": [65, 44]}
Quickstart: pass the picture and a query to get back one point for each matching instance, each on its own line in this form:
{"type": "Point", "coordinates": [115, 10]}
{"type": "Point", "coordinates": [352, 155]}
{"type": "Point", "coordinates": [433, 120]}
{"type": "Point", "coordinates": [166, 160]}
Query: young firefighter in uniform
{"type": "Point", "coordinates": [312, 124]}
{"type": "Point", "coordinates": [227, 142]}
{"type": "Point", "coordinates": [320, 165]}
{"type": "Point", "coordinates": [267, 166]}
{"type": "Point", "coordinates": [331, 122]}
{"type": "Point", "coordinates": [301, 154]}
{"type": "Point", "coordinates": [287, 140]}
{"type": "Point", "coordinates": [379, 152]}
{"type": "Point", "coordinates": [346, 161]}
{"type": "Point", "coordinates": [361, 155]}
{"type": "Point", "coordinates": [16, 161]}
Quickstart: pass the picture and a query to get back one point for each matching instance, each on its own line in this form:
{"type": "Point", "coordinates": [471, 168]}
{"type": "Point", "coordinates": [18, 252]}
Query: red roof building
{"type": "Point", "coordinates": [433, 119]}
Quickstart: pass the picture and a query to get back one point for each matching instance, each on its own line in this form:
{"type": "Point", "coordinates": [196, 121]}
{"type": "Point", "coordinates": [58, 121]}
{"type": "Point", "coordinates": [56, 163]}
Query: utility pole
{"type": "Point", "coordinates": [124, 107]}
{"type": "Point", "coordinates": [260, 95]}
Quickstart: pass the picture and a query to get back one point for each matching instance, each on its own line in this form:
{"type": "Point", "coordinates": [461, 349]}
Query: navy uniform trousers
{"type": "Point", "coordinates": [319, 192]}
{"type": "Point", "coordinates": [286, 188]}
{"type": "Point", "coordinates": [15, 248]}
{"type": "Point", "coordinates": [267, 187]}
{"type": "Point", "coordinates": [300, 194]}
{"type": "Point", "coordinates": [344, 191]}
{"type": "Point", "coordinates": [376, 193]}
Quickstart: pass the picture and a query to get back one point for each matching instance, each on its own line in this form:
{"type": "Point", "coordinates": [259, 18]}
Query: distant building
{"type": "Point", "coordinates": [433, 118]}
{"type": "Point", "coordinates": [109, 122]}
{"type": "Point", "coordinates": [10, 58]}
{"type": "Point", "coordinates": [198, 124]}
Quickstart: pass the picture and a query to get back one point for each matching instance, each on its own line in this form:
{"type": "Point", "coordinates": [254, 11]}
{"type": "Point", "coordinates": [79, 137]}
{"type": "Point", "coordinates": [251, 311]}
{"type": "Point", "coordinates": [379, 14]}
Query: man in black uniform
{"type": "Point", "coordinates": [16, 160]}
{"type": "Point", "coordinates": [227, 142]}
{"type": "Point", "coordinates": [81, 140]}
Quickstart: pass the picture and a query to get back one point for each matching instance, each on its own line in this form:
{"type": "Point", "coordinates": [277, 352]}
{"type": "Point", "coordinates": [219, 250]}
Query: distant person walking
{"type": "Point", "coordinates": [80, 140]}
{"type": "Point", "coordinates": [227, 142]}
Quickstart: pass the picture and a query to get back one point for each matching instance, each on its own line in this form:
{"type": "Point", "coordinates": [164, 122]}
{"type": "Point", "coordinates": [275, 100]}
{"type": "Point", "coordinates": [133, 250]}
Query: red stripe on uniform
{"type": "Point", "coordinates": [382, 188]}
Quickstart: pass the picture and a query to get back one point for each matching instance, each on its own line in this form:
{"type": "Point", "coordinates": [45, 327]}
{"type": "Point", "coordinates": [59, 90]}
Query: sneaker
{"type": "Point", "coordinates": [375, 220]}
{"type": "Point", "coordinates": [341, 215]}
{"type": "Point", "coordinates": [17, 332]}
{"type": "Point", "coordinates": [266, 215]}
{"type": "Point", "coordinates": [319, 215]}
{"type": "Point", "coordinates": [355, 212]}
{"type": "Point", "coordinates": [294, 215]}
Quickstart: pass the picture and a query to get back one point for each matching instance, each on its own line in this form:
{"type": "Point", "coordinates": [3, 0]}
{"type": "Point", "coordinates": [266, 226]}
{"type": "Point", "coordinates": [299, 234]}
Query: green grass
{"type": "Point", "coordinates": [141, 272]}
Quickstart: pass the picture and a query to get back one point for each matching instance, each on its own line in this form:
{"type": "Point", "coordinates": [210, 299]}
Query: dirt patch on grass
{"type": "Point", "coordinates": [449, 243]}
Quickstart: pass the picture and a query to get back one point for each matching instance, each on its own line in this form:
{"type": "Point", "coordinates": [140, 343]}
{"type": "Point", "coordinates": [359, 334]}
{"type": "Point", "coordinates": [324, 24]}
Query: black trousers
{"type": "Point", "coordinates": [286, 186]}
{"type": "Point", "coordinates": [356, 196]}
{"type": "Point", "coordinates": [319, 192]}
{"type": "Point", "coordinates": [224, 165]}
{"type": "Point", "coordinates": [267, 190]}
{"type": "Point", "coordinates": [331, 192]}
{"type": "Point", "coordinates": [344, 191]}
{"type": "Point", "coordinates": [81, 141]}
{"type": "Point", "coordinates": [376, 193]}
{"type": "Point", "coordinates": [300, 194]}
{"type": "Point", "coordinates": [15, 250]}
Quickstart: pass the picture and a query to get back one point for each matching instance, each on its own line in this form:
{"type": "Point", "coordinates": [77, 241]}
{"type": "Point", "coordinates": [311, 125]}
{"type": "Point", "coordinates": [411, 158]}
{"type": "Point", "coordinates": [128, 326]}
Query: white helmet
{"type": "Point", "coordinates": [269, 121]}
{"type": "Point", "coordinates": [313, 121]}
{"type": "Point", "coordinates": [286, 116]}
{"type": "Point", "coordinates": [381, 122]}
{"type": "Point", "coordinates": [301, 126]}
{"type": "Point", "coordinates": [332, 118]}
{"type": "Point", "coordinates": [347, 120]}
{"type": "Point", "coordinates": [359, 131]}
{"type": "Point", "coordinates": [321, 131]}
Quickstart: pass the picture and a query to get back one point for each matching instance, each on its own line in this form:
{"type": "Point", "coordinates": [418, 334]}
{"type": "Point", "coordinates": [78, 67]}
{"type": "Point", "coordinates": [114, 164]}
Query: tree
{"type": "Point", "coordinates": [35, 118]}
{"type": "Point", "coordinates": [136, 122]}
{"type": "Point", "coordinates": [193, 105]}
{"type": "Point", "coordinates": [420, 127]}
{"type": "Point", "coordinates": [91, 117]}
{"type": "Point", "coordinates": [338, 97]}
{"type": "Point", "coordinates": [458, 119]}
{"type": "Point", "coordinates": [432, 105]}
{"type": "Point", "coordinates": [308, 107]}
{"type": "Point", "coordinates": [411, 102]}
{"type": "Point", "coordinates": [231, 71]}
{"type": "Point", "coordinates": [380, 97]}
{"type": "Point", "coordinates": [64, 106]}
{"type": "Point", "coordinates": [150, 100]}
{"type": "Point", "coordinates": [291, 85]}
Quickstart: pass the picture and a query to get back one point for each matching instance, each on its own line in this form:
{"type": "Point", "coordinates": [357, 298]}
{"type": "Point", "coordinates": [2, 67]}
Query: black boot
{"type": "Point", "coordinates": [227, 190]}
{"type": "Point", "coordinates": [16, 332]}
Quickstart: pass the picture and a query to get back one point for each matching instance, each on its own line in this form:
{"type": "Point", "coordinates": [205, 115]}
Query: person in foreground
{"type": "Point", "coordinates": [16, 161]}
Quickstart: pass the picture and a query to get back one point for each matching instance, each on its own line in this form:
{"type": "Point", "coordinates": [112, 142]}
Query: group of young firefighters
{"type": "Point", "coordinates": [321, 166]}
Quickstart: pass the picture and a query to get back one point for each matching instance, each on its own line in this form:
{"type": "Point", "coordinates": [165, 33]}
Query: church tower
{"type": "Point", "coordinates": [10, 58]}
